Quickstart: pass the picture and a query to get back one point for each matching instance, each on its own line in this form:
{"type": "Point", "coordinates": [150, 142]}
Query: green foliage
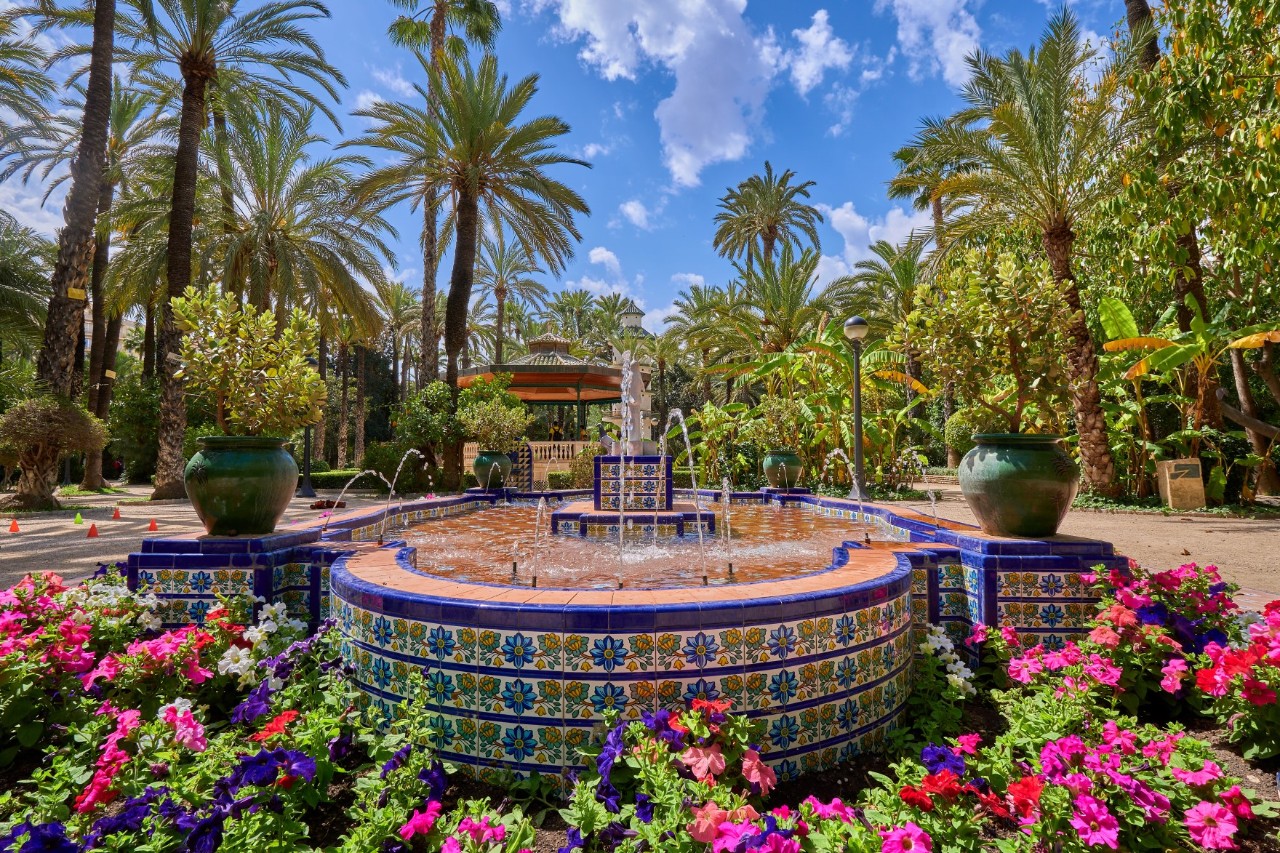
{"type": "Point", "coordinates": [991, 323]}
{"type": "Point", "coordinates": [965, 423]}
{"type": "Point", "coordinates": [253, 376]}
{"type": "Point", "coordinates": [494, 423]}
{"type": "Point", "coordinates": [386, 456]}
{"type": "Point", "coordinates": [560, 480]}
{"type": "Point", "coordinates": [135, 424]}
{"type": "Point", "coordinates": [52, 424]}
{"type": "Point", "coordinates": [582, 470]}
{"type": "Point", "coordinates": [775, 424]}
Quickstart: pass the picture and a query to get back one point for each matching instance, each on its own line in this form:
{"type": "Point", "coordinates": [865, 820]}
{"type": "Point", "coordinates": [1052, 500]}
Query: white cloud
{"type": "Point", "coordinates": [23, 203]}
{"type": "Point", "coordinates": [820, 49]}
{"type": "Point", "coordinates": [935, 36]}
{"type": "Point", "coordinates": [607, 259]}
{"type": "Point", "coordinates": [656, 320]}
{"type": "Point", "coordinates": [722, 70]}
{"type": "Point", "coordinates": [634, 211]}
{"type": "Point", "coordinates": [366, 99]}
{"type": "Point", "coordinates": [689, 279]}
{"type": "Point", "coordinates": [859, 233]}
{"type": "Point", "coordinates": [592, 150]}
{"type": "Point", "coordinates": [394, 80]}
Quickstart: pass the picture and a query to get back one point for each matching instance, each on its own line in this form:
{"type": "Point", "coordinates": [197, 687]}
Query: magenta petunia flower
{"type": "Point", "coordinates": [1211, 825]}
{"type": "Point", "coordinates": [1095, 824]}
{"type": "Point", "coordinates": [905, 839]}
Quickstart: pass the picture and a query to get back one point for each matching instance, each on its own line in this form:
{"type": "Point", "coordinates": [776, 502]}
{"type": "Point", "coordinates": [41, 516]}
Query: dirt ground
{"type": "Point", "coordinates": [1246, 550]}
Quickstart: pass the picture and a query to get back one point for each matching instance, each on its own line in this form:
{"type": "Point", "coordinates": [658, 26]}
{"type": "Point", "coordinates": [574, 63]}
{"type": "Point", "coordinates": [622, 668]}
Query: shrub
{"type": "Point", "coordinates": [776, 424]}
{"type": "Point", "coordinates": [385, 456]}
{"type": "Point", "coordinates": [254, 377]}
{"type": "Point", "coordinates": [36, 433]}
{"type": "Point", "coordinates": [583, 468]}
{"type": "Point", "coordinates": [135, 426]}
{"type": "Point", "coordinates": [965, 423]}
{"type": "Point", "coordinates": [560, 480]}
{"type": "Point", "coordinates": [494, 424]}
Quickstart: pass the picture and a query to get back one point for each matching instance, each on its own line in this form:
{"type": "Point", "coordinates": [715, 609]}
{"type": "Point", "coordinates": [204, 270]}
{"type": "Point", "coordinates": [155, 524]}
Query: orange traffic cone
{"type": "Point", "coordinates": [153, 527]}
{"type": "Point", "coordinates": [93, 531]}
{"type": "Point", "coordinates": [13, 526]}
{"type": "Point", "coordinates": [115, 516]}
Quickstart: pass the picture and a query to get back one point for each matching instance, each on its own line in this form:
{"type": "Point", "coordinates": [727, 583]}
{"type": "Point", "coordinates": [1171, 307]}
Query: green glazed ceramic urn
{"type": "Point", "coordinates": [1019, 484]}
{"type": "Point", "coordinates": [486, 462]}
{"type": "Point", "coordinates": [782, 468]}
{"type": "Point", "coordinates": [241, 485]}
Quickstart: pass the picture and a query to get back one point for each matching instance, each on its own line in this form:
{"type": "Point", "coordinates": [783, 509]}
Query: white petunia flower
{"type": "Point", "coordinates": [235, 660]}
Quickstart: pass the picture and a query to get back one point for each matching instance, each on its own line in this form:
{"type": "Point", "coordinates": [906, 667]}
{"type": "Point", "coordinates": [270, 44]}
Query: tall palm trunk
{"type": "Point", "coordinates": [173, 410]}
{"type": "Point", "coordinates": [500, 301]}
{"type": "Point", "coordinates": [1188, 278]}
{"type": "Point", "coordinates": [360, 408]}
{"type": "Point", "coordinates": [149, 342]}
{"type": "Point", "coordinates": [343, 411]}
{"type": "Point", "coordinates": [56, 362]}
{"type": "Point", "coordinates": [93, 478]}
{"type": "Point", "coordinates": [1268, 481]}
{"type": "Point", "coordinates": [98, 348]}
{"type": "Point", "coordinates": [98, 321]}
{"type": "Point", "coordinates": [395, 365]}
{"type": "Point", "coordinates": [1082, 368]}
{"type": "Point", "coordinates": [429, 367]}
{"type": "Point", "coordinates": [322, 356]}
{"type": "Point", "coordinates": [404, 370]}
{"type": "Point", "coordinates": [455, 315]}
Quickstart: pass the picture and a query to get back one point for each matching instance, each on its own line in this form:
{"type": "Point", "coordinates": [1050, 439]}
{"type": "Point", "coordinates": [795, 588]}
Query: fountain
{"type": "Point", "coordinates": [392, 493]}
{"type": "Point", "coordinates": [528, 646]}
{"type": "Point", "coordinates": [342, 493]}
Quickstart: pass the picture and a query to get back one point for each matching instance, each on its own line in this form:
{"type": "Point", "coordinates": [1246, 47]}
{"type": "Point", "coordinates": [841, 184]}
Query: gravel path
{"type": "Point", "coordinates": [1246, 550]}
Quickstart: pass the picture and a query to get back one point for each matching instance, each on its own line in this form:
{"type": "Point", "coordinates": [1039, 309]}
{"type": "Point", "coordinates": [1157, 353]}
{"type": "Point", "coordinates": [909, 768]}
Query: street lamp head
{"type": "Point", "coordinates": [856, 328]}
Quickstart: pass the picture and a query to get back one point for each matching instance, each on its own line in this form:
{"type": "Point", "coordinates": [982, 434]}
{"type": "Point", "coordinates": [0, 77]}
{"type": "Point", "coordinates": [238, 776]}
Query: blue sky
{"type": "Point", "coordinates": [675, 100]}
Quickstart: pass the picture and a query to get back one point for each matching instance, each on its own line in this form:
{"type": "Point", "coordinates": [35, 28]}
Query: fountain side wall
{"type": "Point", "coordinates": [518, 686]}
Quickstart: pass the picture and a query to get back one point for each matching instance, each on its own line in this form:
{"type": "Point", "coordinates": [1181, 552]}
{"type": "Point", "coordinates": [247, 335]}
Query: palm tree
{"type": "Point", "coordinates": [25, 261]}
{"type": "Point", "coordinates": [763, 211]}
{"type": "Point", "coordinates": [698, 311]}
{"type": "Point", "coordinates": [427, 24]}
{"type": "Point", "coordinates": [296, 230]}
{"type": "Point", "coordinates": [1040, 134]}
{"type": "Point", "coordinates": [569, 312]}
{"type": "Point", "coordinates": [401, 316]}
{"type": "Point", "coordinates": [504, 271]}
{"type": "Point", "coordinates": [200, 37]}
{"type": "Point", "coordinates": [778, 305]}
{"type": "Point", "coordinates": [135, 138]}
{"type": "Point", "coordinates": [491, 166]}
{"type": "Point", "coordinates": [64, 320]}
{"type": "Point", "coordinates": [24, 86]}
{"type": "Point", "coordinates": [882, 289]}
{"type": "Point", "coordinates": [666, 351]}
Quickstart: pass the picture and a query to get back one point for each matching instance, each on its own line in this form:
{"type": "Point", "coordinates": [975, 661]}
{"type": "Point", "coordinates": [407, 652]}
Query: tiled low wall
{"type": "Point", "coordinates": [518, 677]}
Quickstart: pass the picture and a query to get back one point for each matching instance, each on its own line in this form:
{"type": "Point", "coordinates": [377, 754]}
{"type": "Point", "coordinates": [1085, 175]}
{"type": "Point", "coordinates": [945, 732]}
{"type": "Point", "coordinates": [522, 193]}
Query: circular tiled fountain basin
{"type": "Point", "coordinates": [517, 676]}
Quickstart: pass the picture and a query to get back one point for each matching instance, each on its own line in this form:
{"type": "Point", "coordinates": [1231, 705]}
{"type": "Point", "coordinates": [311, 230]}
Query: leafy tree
{"type": "Point", "coordinates": [24, 86]}
{"type": "Point", "coordinates": [505, 271]}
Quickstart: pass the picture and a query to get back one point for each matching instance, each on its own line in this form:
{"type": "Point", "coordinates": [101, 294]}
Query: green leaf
{"type": "Point", "coordinates": [1117, 319]}
{"type": "Point", "coordinates": [29, 733]}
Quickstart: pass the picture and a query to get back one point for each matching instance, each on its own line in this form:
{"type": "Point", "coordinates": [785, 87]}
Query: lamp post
{"type": "Point", "coordinates": [305, 489]}
{"type": "Point", "coordinates": [855, 329]}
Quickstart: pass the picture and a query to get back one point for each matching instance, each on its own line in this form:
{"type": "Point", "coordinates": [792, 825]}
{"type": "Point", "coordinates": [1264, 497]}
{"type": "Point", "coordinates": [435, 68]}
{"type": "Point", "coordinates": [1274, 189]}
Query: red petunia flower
{"type": "Point", "coordinates": [275, 727]}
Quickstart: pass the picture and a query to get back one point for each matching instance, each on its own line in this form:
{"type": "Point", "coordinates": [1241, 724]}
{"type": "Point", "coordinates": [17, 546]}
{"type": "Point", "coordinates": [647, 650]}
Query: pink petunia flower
{"type": "Point", "coordinates": [1211, 825]}
{"type": "Point", "coordinates": [755, 771]}
{"type": "Point", "coordinates": [1208, 773]}
{"type": "Point", "coordinates": [706, 763]}
{"type": "Point", "coordinates": [909, 838]}
{"type": "Point", "coordinates": [1239, 804]}
{"type": "Point", "coordinates": [1174, 672]}
{"type": "Point", "coordinates": [1094, 823]}
{"type": "Point", "coordinates": [1024, 669]}
{"type": "Point", "coordinates": [968, 744]}
{"type": "Point", "coordinates": [422, 821]}
{"type": "Point", "coordinates": [706, 820]}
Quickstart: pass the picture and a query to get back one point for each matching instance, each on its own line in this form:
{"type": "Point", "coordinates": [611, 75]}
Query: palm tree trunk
{"type": "Point", "coordinates": [343, 410]}
{"type": "Point", "coordinates": [56, 360]}
{"type": "Point", "coordinates": [1188, 277]}
{"type": "Point", "coordinates": [360, 408]}
{"type": "Point", "coordinates": [322, 356]}
{"type": "Point", "coordinates": [1082, 368]}
{"type": "Point", "coordinates": [173, 410]}
{"type": "Point", "coordinates": [93, 478]}
{"type": "Point", "coordinates": [404, 370]}
{"type": "Point", "coordinates": [455, 316]}
{"type": "Point", "coordinates": [101, 253]}
{"type": "Point", "coordinates": [1268, 481]}
{"type": "Point", "coordinates": [500, 302]}
{"type": "Point", "coordinates": [1266, 370]}
{"type": "Point", "coordinates": [429, 359]}
{"type": "Point", "coordinates": [149, 342]}
{"type": "Point", "coordinates": [395, 365]}
{"type": "Point", "coordinates": [77, 365]}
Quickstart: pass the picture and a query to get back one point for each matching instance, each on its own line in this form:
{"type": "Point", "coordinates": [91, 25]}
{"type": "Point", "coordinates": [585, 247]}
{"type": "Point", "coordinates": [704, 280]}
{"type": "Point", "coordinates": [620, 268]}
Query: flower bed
{"type": "Point", "coordinates": [243, 734]}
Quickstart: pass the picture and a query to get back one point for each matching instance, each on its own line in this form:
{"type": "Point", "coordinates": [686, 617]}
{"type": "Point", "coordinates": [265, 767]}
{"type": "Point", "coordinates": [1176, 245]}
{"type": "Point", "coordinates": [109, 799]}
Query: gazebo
{"type": "Point", "coordinates": [551, 376]}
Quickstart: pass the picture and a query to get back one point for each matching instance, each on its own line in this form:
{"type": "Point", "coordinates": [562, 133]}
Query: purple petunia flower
{"type": "Point", "coordinates": [394, 762]}
{"type": "Point", "coordinates": [937, 758]}
{"type": "Point", "coordinates": [255, 705]}
{"type": "Point", "coordinates": [435, 779]}
{"type": "Point", "coordinates": [207, 835]}
{"type": "Point", "coordinates": [644, 808]}
{"type": "Point", "coordinates": [575, 840]}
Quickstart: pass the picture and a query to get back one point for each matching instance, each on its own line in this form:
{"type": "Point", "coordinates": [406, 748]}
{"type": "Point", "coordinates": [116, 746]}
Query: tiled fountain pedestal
{"type": "Point", "coordinates": [516, 677]}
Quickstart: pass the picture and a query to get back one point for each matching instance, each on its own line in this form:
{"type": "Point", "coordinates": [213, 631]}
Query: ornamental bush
{"type": "Point", "coordinates": [964, 423]}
